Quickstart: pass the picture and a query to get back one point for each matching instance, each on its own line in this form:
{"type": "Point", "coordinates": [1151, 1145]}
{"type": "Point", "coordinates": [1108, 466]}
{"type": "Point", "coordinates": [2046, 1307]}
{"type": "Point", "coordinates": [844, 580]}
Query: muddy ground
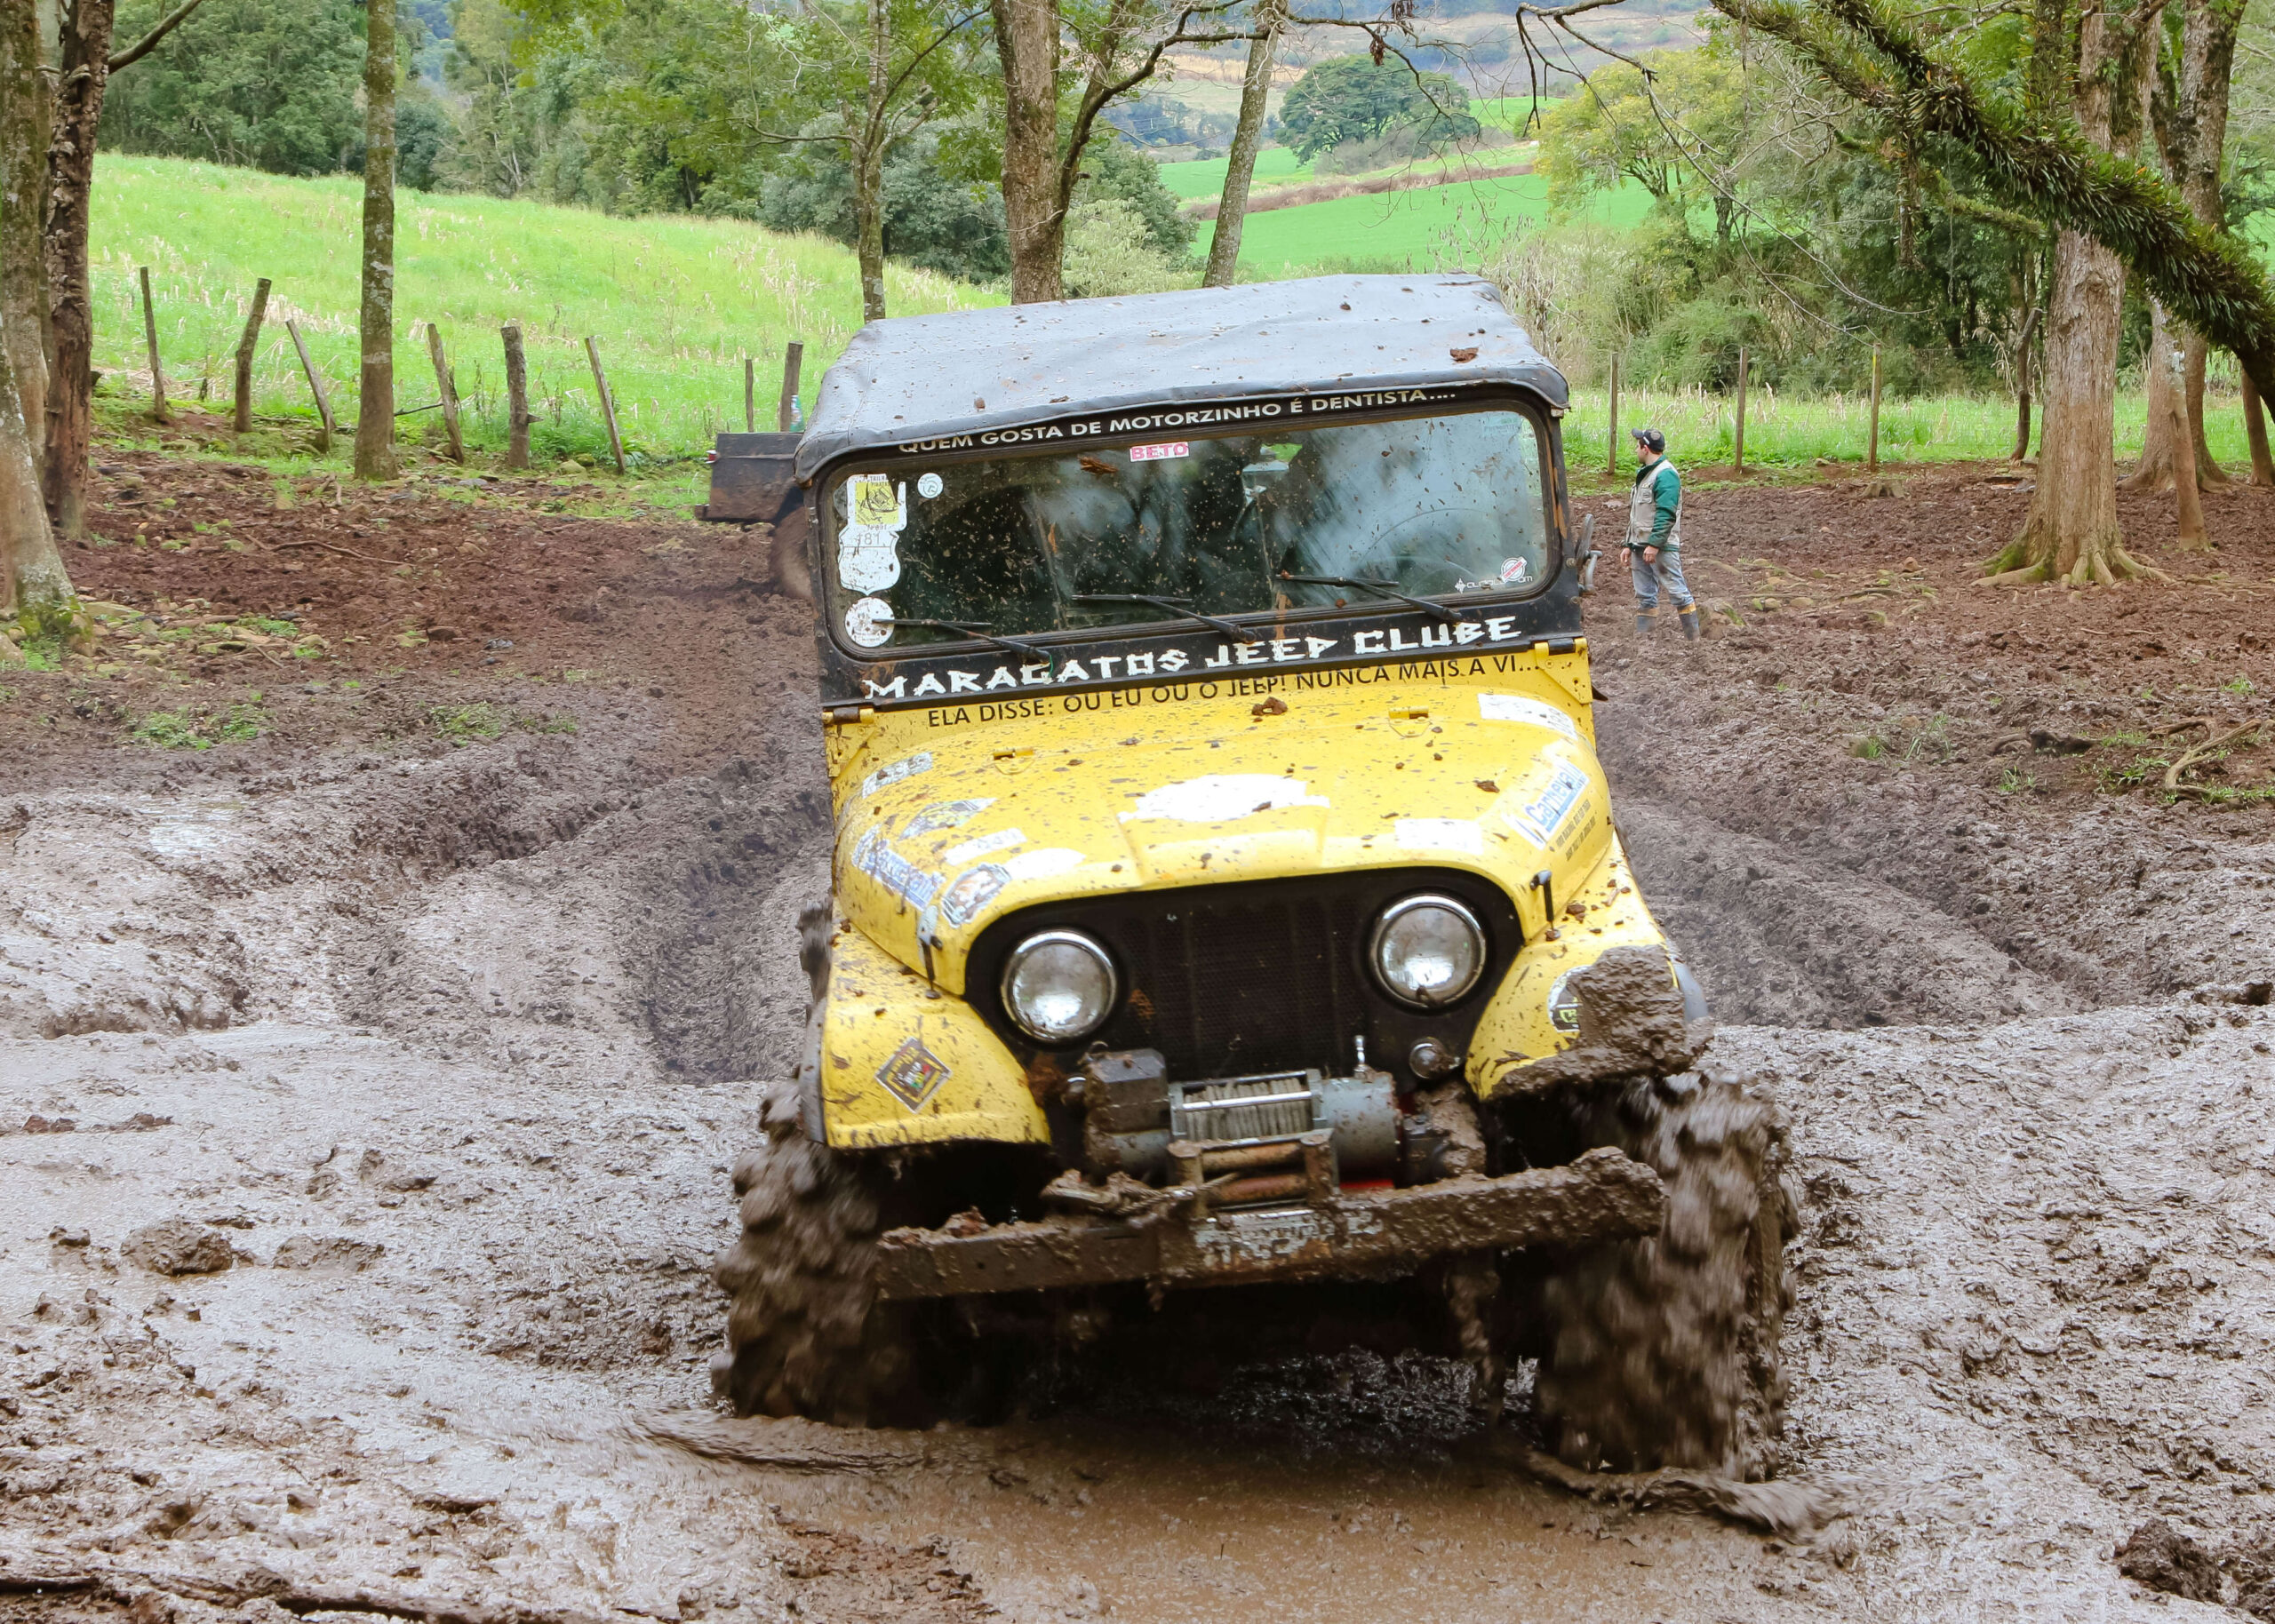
{"type": "Point", "coordinates": [395, 908]}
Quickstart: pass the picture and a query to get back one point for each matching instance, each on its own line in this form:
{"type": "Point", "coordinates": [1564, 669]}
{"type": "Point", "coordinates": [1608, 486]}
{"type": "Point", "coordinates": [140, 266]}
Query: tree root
{"type": "Point", "coordinates": [2198, 752]}
{"type": "Point", "coordinates": [124, 1585]}
{"type": "Point", "coordinates": [1785, 1509]}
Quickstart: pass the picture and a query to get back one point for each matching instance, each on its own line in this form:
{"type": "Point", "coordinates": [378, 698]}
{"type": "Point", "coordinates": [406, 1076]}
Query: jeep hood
{"type": "Point", "coordinates": [936, 843]}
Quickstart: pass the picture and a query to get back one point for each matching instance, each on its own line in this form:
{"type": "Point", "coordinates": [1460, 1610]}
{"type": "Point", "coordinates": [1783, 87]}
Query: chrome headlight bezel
{"type": "Point", "coordinates": [1380, 945]}
{"type": "Point", "coordinates": [1067, 1032]}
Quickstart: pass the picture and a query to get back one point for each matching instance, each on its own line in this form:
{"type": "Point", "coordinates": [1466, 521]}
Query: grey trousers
{"type": "Point", "coordinates": [1667, 572]}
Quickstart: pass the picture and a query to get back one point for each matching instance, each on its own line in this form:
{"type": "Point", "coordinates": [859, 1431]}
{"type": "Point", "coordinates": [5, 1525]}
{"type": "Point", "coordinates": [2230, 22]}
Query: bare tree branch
{"type": "Point", "coordinates": [143, 46]}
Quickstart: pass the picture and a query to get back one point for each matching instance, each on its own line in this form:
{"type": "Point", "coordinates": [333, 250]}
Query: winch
{"type": "Point", "coordinates": [1274, 1136]}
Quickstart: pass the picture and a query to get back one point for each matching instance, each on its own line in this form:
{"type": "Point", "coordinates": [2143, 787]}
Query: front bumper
{"type": "Point", "coordinates": [1374, 1235]}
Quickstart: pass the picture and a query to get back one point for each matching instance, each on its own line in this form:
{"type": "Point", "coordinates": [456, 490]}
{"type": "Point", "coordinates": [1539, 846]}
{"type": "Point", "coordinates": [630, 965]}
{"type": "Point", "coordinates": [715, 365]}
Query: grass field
{"type": "Point", "coordinates": [675, 303]}
{"type": "Point", "coordinates": [1412, 230]}
{"type": "Point", "coordinates": [1785, 433]}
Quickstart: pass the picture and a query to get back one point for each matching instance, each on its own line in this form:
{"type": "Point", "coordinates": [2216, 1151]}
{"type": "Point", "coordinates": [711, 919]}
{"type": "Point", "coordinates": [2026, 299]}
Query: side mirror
{"type": "Point", "coordinates": [1584, 554]}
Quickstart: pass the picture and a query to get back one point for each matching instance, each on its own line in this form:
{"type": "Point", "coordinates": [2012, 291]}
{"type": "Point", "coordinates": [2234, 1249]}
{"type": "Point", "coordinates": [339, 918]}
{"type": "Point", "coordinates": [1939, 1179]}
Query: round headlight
{"type": "Point", "coordinates": [1059, 986]}
{"type": "Point", "coordinates": [1428, 951]}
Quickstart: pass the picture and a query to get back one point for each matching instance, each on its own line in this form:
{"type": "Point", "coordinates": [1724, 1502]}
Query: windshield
{"type": "Point", "coordinates": [1031, 542]}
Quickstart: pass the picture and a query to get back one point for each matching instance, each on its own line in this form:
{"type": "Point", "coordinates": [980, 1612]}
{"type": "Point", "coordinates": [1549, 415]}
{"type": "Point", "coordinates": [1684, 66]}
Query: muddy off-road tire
{"type": "Point", "coordinates": [1664, 1350]}
{"type": "Point", "coordinates": [804, 1337]}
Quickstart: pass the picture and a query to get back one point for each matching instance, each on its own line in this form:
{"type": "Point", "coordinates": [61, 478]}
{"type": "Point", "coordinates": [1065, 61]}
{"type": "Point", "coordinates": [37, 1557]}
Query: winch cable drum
{"type": "Point", "coordinates": [1134, 1112]}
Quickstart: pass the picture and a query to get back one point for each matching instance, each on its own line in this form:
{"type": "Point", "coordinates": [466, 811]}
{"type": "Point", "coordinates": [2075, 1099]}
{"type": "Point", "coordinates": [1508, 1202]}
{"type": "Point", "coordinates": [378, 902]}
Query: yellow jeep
{"type": "Point", "coordinates": [1231, 946]}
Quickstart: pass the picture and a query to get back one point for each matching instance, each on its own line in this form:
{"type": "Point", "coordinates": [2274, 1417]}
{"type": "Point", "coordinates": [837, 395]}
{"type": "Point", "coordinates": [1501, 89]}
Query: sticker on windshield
{"type": "Point", "coordinates": [927, 486]}
{"type": "Point", "coordinates": [869, 623]}
{"type": "Point", "coordinates": [868, 558]}
{"type": "Point", "coordinates": [1157, 453]}
{"type": "Point", "coordinates": [874, 500]}
{"type": "Point", "coordinates": [1513, 569]}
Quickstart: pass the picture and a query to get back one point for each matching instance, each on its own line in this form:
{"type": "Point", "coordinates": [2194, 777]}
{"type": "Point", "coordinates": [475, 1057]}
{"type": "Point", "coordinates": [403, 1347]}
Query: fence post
{"type": "Point", "coordinates": [517, 398]}
{"type": "Point", "coordinates": [243, 421]}
{"type": "Point", "coordinates": [449, 393]}
{"type": "Point", "coordinates": [1611, 448]}
{"type": "Point", "coordinates": [750, 394]}
{"type": "Point", "coordinates": [1872, 437]}
{"type": "Point", "coordinates": [792, 360]}
{"type": "Point", "coordinates": [1740, 450]}
{"type": "Point", "coordinates": [158, 412]}
{"type": "Point", "coordinates": [608, 402]}
{"type": "Point", "coordinates": [325, 426]}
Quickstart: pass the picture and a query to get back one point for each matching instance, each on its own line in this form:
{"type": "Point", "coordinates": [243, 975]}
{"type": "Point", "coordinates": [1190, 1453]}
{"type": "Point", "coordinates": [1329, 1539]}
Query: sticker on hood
{"type": "Point", "coordinates": [907, 766]}
{"type": "Point", "coordinates": [1220, 797]}
{"type": "Point", "coordinates": [944, 814]}
{"type": "Point", "coordinates": [986, 845]}
{"type": "Point", "coordinates": [1441, 834]}
{"type": "Point", "coordinates": [1524, 708]}
{"type": "Point", "coordinates": [874, 858]}
{"type": "Point", "coordinates": [971, 891]}
{"type": "Point", "coordinates": [1540, 818]}
{"type": "Point", "coordinates": [1043, 865]}
{"type": "Point", "coordinates": [913, 1074]}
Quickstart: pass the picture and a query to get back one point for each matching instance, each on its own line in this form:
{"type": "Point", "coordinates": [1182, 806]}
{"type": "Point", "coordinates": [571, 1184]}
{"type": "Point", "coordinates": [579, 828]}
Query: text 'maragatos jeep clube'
{"type": "Point", "coordinates": [1231, 947]}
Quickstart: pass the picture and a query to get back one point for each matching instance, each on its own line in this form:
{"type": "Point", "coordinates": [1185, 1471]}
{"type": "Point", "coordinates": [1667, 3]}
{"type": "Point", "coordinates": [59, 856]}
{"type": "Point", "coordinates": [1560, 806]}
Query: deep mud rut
{"type": "Point", "coordinates": [447, 1050]}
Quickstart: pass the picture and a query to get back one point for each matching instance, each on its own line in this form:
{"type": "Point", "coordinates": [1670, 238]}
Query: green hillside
{"type": "Point", "coordinates": [677, 302]}
{"type": "Point", "coordinates": [1424, 225]}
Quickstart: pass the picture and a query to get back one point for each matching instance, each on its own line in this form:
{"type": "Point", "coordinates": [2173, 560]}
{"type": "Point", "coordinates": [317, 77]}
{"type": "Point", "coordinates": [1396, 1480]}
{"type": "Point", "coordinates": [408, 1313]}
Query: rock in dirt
{"type": "Point", "coordinates": [179, 1246]}
{"type": "Point", "coordinates": [327, 1252]}
{"type": "Point", "coordinates": [2163, 1558]}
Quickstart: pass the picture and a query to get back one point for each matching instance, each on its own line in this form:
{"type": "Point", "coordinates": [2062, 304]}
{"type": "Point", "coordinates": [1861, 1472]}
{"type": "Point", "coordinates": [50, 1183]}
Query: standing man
{"type": "Point", "coordinates": [1654, 545]}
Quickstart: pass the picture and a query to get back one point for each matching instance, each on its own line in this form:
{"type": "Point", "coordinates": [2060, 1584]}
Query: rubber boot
{"type": "Point", "coordinates": [1690, 625]}
{"type": "Point", "coordinates": [1647, 621]}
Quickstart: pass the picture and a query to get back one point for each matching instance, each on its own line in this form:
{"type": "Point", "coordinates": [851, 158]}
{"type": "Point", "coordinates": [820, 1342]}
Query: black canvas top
{"type": "Point", "coordinates": [928, 378]}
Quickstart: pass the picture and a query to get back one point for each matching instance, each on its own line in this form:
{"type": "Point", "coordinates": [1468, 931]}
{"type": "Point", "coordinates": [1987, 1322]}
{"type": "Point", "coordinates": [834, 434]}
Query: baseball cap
{"type": "Point", "coordinates": [1650, 437]}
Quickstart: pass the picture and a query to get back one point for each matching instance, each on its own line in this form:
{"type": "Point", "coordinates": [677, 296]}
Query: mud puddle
{"type": "Point", "coordinates": [448, 1050]}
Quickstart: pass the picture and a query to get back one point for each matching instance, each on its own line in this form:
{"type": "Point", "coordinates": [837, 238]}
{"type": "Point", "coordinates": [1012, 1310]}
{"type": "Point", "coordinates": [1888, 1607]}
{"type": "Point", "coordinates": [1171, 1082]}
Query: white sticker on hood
{"type": "Point", "coordinates": [907, 766]}
{"type": "Point", "coordinates": [1223, 796]}
{"type": "Point", "coordinates": [1043, 865]}
{"type": "Point", "coordinates": [971, 851]}
{"type": "Point", "coordinates": [1441, 834]}
{"type": "Point", "coordinates": [1540, 818]}
{"type": "Point", "coordinates": [1523, 707]}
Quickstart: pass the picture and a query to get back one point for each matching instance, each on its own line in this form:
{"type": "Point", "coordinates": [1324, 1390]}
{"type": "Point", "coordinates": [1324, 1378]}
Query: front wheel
{"type": "Point", "coordinates": [1664, 1350]}
{"type": "Point", "coordinates": [805, 1333]}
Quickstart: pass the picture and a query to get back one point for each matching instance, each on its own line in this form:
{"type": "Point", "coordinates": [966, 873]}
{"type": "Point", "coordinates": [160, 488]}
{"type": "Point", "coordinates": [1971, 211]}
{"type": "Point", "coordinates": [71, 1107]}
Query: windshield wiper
{"type": "Point", "coordinates": [974, 629]}
{"type": "Point", "coordinates": [1175, 605]}
{"type": "Point", "coordinates": [1388, 589]}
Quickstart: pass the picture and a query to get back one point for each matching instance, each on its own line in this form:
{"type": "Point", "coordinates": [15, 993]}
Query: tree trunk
{"type": "Point", "coordinates": [1027, 38]}
{"type": "Point", "coordinates": [85, 72]}
{"type": "Point", "coordinates": [23, 182]}
{"type": "Point", "coordinates": [2071, 533]}
{"type": "Point", "coordinates": [2209, 475]}
{"type": "Point", "coordinates": [2022, 377]}
{"type": "Point", "coordinates": [375, 394]}
{"type": "Point", "coordinates": [869, 165]}
{"type": "Point", "coordinates": [2159, 455]}
{"type": "Point", "coordinates": [34, 589]}
{"type": "Point", "coordinates": [2174, 360]}
{"type": "Point", "coordinates": [2255, 430]}
{"type": "Point", "coordinates": [2208, 61]}
{"type": "Point", "coordinates": [1248, 135]}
